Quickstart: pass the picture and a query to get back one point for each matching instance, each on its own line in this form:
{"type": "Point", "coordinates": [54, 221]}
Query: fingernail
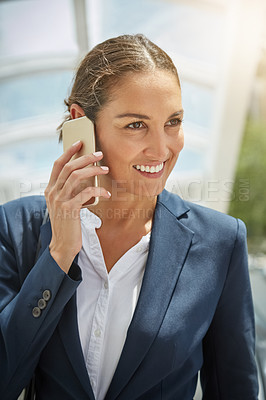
{"type": "Point", "coordinates": [104, 168]}
{"type": "Point", "coordinates": [75, 144]}
{"type": "Point", "coordinates": [98, 153]}
{"type": "Point", "coordinates": [109, 194]}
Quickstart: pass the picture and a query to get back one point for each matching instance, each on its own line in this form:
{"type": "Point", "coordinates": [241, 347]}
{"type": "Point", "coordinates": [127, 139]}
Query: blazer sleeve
{"type": "Point", "coordinates": [27, 324]}
{"type": "Point", "coordinates": [229, 368]}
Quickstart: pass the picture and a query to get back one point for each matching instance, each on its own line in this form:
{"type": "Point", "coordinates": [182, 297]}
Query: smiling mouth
{"type": "Point", "coordinates": [150, 169]}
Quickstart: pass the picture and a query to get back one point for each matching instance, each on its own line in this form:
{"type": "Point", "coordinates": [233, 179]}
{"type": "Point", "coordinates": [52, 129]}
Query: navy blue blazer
{"type": "Point", "coordinates": [194, 312]}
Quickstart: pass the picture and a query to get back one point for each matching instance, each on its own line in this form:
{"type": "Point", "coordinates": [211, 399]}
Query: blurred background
{"type": "Point", "coordinates": [219, 48]}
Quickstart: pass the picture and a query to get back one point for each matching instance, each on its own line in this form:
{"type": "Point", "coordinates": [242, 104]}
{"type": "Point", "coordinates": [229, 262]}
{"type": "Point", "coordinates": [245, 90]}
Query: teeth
{"type": "Point", "coordinates": [151, 170]}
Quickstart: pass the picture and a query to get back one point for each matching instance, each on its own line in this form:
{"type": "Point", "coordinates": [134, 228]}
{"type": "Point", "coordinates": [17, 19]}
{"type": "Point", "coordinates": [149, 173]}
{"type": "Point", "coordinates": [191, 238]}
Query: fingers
{"type": "Point", "coordinates": [71, 177]}
{"type": "Point", "coordinates": [80, 179]}
{"type": "Point", "coordinates": [71, 167]}
{"type": "Point", "coordinates": [88, 193]}
{"type": "Point", "coordinates": [64, 167]}
{"type": "Point", "coordinates": [76, 202]}
{"type": "Point", "coordinates": [61, 161]}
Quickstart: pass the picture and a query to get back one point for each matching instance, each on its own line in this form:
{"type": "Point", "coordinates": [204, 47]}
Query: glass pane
{"type": "Point", "coordinates": [33, 95]}
{"type": "Point", "coordinates": [189, 160]}
{"type": "Point", "coordinates": [198, 104]}
{"type": "Point", "coordinates": [28, 28]}
{"type": "Point", "coordinates": [28, 158]}
{"type": "Point", "coordinates": [194, 32]}
{"type": "Point", "coordinates": [186, 177]}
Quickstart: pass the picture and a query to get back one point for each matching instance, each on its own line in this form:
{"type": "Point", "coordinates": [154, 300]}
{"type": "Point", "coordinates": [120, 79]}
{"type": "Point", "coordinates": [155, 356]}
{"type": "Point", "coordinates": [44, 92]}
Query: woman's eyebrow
{"type": "Point", "coordinates": [177, 114]}
{"type": "Point", "coordinates": [141, 116]}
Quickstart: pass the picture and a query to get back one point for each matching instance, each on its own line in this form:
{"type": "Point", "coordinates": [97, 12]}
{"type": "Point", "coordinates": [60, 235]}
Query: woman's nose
{"type": "Point", "coordinates": [156, 147]}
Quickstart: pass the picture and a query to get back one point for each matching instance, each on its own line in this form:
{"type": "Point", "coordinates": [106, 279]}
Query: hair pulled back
{"type": "Point", "coordinates": [106, 64]}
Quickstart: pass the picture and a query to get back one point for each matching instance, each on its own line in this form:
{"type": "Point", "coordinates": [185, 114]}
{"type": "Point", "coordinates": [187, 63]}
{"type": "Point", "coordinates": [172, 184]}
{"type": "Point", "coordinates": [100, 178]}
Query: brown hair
{"type": "Point", "coordinates": [108, 62]}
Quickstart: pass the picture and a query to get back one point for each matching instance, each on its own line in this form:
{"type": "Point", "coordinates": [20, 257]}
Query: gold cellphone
{"type": "Point", "coordinates": [81, 129]}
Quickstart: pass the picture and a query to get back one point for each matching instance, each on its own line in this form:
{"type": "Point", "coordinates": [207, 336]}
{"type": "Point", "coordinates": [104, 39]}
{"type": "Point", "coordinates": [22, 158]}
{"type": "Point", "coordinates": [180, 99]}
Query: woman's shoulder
{"type": "Point", "coordinates": [204, 220]}
{"type": "Point", "coordinates": [211, 220]}
{"type": "Point", "coordinates": [23, 210]}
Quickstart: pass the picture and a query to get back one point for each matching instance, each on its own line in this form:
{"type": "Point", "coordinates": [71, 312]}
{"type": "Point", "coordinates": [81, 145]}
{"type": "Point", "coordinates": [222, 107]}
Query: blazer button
{"type": "Point", "coordinates": [46, 295]}
{"type": "Point", "coordinates": [41, 304]}
{"type": "Point", "coordinates": [36, 312]}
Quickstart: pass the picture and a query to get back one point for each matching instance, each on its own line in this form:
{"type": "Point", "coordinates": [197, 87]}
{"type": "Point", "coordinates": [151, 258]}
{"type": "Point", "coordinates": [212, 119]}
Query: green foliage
{"type": "Point", "coordinates": [249, 199]}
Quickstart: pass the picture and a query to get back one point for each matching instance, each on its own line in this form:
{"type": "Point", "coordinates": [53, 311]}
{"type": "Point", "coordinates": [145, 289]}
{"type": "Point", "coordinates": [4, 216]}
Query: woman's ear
{"type": "Point", "coordinates": [76, 111]}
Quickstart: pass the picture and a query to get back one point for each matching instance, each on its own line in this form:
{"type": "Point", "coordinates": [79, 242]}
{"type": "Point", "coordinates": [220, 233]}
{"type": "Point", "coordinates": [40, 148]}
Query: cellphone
{"type": "Point", "coordinates": [81, 129]}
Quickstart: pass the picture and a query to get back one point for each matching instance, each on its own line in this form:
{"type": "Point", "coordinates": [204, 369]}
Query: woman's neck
{"type": "Point", "coordinates": [126, 211]}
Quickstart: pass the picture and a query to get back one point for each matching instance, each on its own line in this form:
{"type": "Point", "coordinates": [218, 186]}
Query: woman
{"type": "Point", "coordinates": [129, 298]}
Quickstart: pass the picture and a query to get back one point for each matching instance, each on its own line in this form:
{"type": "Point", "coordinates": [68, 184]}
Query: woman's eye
{"type": "Point", "coordinates": [135, 125]}
{"type": "Point", "coordinates": [174, 122]}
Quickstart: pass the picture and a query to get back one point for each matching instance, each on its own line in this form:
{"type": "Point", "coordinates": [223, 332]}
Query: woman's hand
{"type": "Point", "coordinates": [65, 195]}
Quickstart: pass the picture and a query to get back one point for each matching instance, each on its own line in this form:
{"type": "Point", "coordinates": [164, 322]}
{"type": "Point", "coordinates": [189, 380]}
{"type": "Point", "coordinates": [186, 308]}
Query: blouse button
{"type": "Point", "coordinates": [97, 332]}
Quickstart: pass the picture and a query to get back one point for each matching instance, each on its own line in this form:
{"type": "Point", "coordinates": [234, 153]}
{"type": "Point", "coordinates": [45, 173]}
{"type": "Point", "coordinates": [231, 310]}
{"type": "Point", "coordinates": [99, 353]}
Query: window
{"type": "Point", "coordinates": [41, 43]}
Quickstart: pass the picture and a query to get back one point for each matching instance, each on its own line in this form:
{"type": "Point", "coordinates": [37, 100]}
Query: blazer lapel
{"type": "Point", "coordinates": [170, 243]}
{"type": "Point", "coordinates": [68, 326]}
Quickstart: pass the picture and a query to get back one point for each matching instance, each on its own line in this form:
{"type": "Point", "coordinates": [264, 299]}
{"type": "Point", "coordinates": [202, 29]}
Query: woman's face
{"type": "Point", "coordinates": [140, 133]}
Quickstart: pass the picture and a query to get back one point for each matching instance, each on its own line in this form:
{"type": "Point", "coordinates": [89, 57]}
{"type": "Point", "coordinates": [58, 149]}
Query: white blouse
{"type": "Point", "coordinates": [106, 302]}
